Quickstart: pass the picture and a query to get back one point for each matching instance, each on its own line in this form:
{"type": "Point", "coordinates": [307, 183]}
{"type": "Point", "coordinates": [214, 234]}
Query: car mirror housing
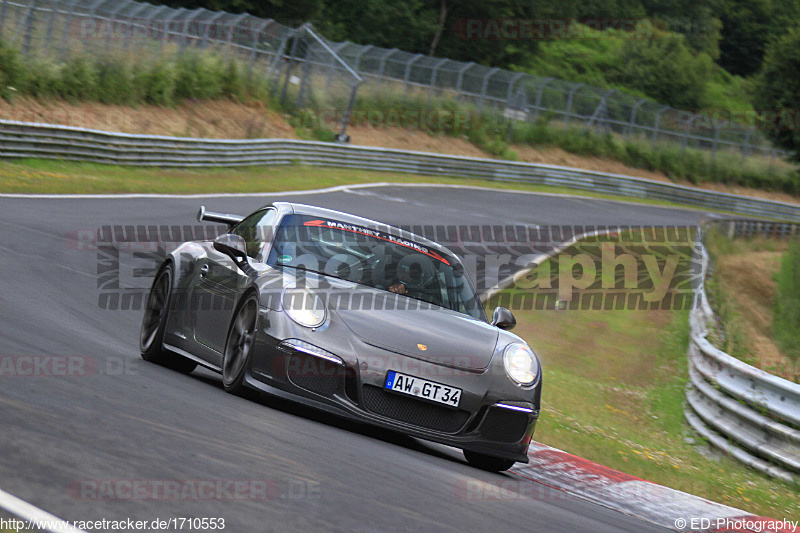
{"type": "Point", "coordinates": [503, 319]}
{"type": "Point", "coordinates": [232, 245]}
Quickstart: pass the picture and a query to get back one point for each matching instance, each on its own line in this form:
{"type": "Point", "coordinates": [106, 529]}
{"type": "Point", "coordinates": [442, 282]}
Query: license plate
{"type": "Point", "coordinates": [422, 388]}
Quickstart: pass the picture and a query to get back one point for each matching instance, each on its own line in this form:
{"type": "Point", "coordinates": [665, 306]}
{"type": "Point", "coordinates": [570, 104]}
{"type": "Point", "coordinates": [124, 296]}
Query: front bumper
{"type": "Point", "coordinates": [494, 417]}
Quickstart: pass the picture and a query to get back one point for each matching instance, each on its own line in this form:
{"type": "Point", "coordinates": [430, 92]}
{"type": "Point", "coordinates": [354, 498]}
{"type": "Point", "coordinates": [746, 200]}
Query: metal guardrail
{"type": "Point", "coordinates": [24, 139]}
{"type": "Point", "coordinates": [746, 412]}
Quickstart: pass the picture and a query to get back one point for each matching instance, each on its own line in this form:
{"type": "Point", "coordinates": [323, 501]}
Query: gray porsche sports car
{"type": "Point", "coordinates": [350, 316]}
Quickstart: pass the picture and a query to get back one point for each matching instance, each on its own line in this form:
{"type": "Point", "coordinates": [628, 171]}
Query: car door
{"type": "Point", "coordinates": [221, 280]}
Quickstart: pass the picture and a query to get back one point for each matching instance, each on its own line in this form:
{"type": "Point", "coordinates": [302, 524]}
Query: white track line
{"type": "Point", "coordinates": [28, 512]}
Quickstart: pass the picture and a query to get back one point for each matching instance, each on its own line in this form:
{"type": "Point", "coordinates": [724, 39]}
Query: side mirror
{"type": "Point", "coordinates": [503, 319]}
{"type": "Point", "coordinates": [231, 245]}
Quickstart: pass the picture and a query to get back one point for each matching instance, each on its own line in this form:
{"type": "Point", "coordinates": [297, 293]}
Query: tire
{"type": "Point", "coordinates": [239, 345]}
{"type": "Point", "coordinates": [154, 322]}
{"type": "Point", "coordinates": [487, 462]}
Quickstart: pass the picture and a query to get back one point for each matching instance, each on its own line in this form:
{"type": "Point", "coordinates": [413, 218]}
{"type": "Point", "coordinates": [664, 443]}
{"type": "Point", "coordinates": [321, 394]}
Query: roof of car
{"type": "Point", "coordinates": [304, 209]}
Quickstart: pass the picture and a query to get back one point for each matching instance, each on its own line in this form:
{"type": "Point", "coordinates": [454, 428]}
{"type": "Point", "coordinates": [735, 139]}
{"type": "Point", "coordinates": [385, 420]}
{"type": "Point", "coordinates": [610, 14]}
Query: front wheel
{"type": "Point", "coordinates": [151, 337]}
{"type": "Point", "coordinates": [488, 462]}
{"type": "Point", "coordinates": [241, 338]}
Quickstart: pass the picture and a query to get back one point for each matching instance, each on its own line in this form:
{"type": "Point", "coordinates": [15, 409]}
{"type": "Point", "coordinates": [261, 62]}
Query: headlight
{"type": "Point", "coordinates": [521, 364]}
{"type": "Point", "coordinates": [304, 307]}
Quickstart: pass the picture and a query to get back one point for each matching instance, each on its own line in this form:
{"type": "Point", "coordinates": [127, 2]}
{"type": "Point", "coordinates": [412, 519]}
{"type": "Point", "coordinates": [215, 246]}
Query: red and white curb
{"type": "Point", "coordinates": [561, 472]}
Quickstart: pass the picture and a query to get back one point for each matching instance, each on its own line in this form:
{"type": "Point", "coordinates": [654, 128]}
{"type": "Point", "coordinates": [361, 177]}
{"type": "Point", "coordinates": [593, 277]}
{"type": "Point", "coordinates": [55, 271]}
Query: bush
{"type": "Point", "coordinates": [157, 83]}
{"type": "Point", "coordinates": [12, 71]}
{"type": "Point", "coordinates": [115, 84]}
{"type": "Point", "coordinates": [78, 80]}
{"type": "Point", "coordinates": [198, 76]}
{"type": "Point", "coordinates": [666, 70]}
{"type": "Point", "coordinates": [786, 319]}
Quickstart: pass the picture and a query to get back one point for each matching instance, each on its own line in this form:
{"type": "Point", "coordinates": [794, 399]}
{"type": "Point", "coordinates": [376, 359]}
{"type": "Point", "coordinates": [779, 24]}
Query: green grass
{"type": "Point", "coordinates": [48, 176]}
{"type": "Point", "coordinates": [614, 392]}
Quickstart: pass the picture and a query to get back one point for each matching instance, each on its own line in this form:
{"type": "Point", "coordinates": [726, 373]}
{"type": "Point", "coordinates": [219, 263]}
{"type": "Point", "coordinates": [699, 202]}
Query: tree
{"type": "Point", "coordinates": [665, 69]}
{"type": "Point", "coordinates": [777, 91]}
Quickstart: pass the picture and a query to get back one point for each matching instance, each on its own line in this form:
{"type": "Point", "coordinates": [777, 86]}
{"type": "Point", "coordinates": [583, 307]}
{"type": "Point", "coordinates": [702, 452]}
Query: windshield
{"type": "Point", "coordinates": [374, 258]}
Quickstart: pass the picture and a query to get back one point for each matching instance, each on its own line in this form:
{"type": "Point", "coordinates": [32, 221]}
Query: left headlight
{"type": "Point", "coordinates": [521, 363]}
{"type": "Point", "coordinates": [304, 307]}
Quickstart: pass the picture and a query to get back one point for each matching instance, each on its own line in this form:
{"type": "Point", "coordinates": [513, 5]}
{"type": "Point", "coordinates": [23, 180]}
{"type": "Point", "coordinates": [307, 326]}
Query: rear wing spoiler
{"type": "Point", "coordinates": [210, 216]}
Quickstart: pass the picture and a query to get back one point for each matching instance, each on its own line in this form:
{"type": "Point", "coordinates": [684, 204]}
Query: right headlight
{"type": "Point", "coordinates": [520, 363]}
{"type": "Point", "coordinates": [304, 307]}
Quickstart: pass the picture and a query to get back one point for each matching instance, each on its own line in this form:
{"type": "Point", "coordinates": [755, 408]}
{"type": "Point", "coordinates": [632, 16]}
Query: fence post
{"type": "Point", "coordinates": [685, 140]}
{"type": "Point", "coordinates": [632, 120]}
{"type": "Point", "coordinates": [657, 122]}
{"type": "Point", "coordinates": [570, 100]}
{"type": "Point", "coordinates": [460, 80]}
{"type": "Point", "coordinates": [360, 53]}
{"type": "Point", "coordinates": [746, 144]}
{"type": "Point", "coordinates": [28, 23]}
{"type": "Point", "coordinates": [291, 59]}
{"type": "Point", "coordinates": [538, 103]}
{"type": "Point", "coordinates": [133, 23]}
{"type": "Point", "coordinates": [432, 82]}
{"type": "Point", "coordinates": [112, 18]}
{"type": "Point", "coordinates": [3, 10]}
{"type": "Point", "coordinates": [329, 78]}
{"type": "Point", "coordinates": [599, 110]}
{"type": "Point", "coordinates": [511, 83]}
{"type": "Point", "coordinates": [208, 24]}
{"type": "Point", "coordinates": [254, 51]}
{"type": "Point", "coordinates": [383, 64]}
{"type": "Point", "coordinates": [408, 72]}
{"type": "Point", "coordinates": [50, 26]}
{"type": "Point", "coordinates": [484, 85]}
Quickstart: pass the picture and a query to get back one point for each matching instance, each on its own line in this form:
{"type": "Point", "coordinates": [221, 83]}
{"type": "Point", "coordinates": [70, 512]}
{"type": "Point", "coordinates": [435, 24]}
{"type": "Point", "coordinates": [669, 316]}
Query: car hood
{"type": "Point", "coordinates": [434, 334]}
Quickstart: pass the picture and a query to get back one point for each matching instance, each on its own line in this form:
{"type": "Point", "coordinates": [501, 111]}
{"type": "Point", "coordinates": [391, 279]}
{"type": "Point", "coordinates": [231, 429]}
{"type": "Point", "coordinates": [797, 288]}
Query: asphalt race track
{"type": "Point", "coordinates": [124, 420]}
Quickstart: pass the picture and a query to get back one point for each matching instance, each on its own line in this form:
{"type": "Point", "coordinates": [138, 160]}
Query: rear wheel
{"type": "Point", "coordinates": [241, 338]}
{"type": "Point", "coordinates": [151, 337]}
{"type": "Point", "coordinates": [487, 462]}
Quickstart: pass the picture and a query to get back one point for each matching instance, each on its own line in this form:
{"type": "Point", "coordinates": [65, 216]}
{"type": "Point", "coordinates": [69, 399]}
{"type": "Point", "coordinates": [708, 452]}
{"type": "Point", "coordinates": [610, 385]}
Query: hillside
{"type": "Point", "coordinates": [234, 120]}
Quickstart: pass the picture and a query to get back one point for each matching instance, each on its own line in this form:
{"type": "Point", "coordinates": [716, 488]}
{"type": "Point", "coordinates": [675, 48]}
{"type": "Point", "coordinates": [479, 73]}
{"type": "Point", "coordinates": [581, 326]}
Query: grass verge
{"type": "Point", "coordinates": [613, 393]}
{"type": "Point", "coordinates": [743, 292]}
{"type": "Point", "coordinates": [47, 176]}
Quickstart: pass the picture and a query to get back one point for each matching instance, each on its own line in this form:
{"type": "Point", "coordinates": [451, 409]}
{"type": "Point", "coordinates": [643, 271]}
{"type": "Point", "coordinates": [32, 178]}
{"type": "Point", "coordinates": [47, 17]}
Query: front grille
{"type": "Point", "coordinates": [315, 374]}
{"type": "Point", "coordinates": [413, 411]}
{"type": "Point", "coordinates": [504, 425]}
